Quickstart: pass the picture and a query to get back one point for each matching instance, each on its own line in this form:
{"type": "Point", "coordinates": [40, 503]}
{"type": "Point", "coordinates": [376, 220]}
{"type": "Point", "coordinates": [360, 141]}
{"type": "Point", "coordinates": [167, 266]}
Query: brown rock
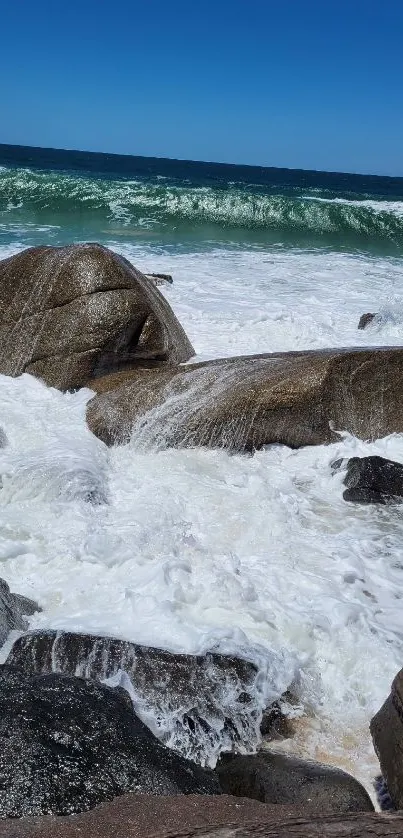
{"type": "Point", "coordinates": [387, 735]}
{"type": "Point", "coordinates": [244, 403]}
{"type": "Point", "coordinates": [140, 816]}
{"type": "Point", "coordinates": [365, 319]}
{"type": "Point", "coordinates": [70, 313]}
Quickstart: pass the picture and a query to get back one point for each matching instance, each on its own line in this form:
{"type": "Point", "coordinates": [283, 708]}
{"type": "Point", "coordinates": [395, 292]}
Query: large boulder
{"type": "Point", "coordinates": [14, 608]}
{"type": "Point", "coordinates": [199, 705]}
{"type": "Point", "coordinates": [295, 398]}
{"type": "Point", "coordinates": [67, 744]}
{"type": "Point", "coordinates": [278, 778]}
{"type": "Point", "coordinates": [387, 735]}
{"type": "Point", "coordinates": [70, 313]}
{"type": "Point", "coordinates": [372, 480]}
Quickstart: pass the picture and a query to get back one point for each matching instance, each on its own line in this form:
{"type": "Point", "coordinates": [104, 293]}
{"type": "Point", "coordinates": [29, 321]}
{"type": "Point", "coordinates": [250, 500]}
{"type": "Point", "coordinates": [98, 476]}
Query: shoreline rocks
{"type": "Point", "coordinates": [14, 608]}
{"type": "Point", "coordinates": [278, 778]}
{"type": "Point", "coordinates": [192, 816]}
{"type": "Point", "coordinates": [67, 744]}
{"type": "Point", "coordinates": [387, 735]}
{"type": "Point", "coordinates": [242, 404]}
{"type": "Point", "coordinates": [372, 480]}
{"type": "Point", "coordinates": [194, 703]}
{"type": "Point", "coordinates": [72, 313]}
{"type": "Point", "coordinates": [365, 320]}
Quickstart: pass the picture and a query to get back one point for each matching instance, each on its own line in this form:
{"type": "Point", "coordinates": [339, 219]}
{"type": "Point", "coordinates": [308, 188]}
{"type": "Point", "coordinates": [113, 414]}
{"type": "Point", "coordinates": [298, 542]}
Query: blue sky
{"type": "Point", "coordinates": [294, 83]}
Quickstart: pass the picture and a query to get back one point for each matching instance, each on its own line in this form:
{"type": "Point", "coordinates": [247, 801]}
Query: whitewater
{"type": "Point", "coordinates": [195, 550]}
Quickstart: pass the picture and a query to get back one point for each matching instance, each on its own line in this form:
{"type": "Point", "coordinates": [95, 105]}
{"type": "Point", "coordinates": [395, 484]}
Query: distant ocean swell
{"type": "Point", "coordinates": [150, 203]}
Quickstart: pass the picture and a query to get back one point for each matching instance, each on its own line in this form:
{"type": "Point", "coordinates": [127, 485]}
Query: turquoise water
{"type": "Point", "coordinates": [59, 196]}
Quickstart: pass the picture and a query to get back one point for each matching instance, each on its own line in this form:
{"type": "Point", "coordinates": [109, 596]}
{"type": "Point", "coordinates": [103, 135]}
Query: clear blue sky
{"type": "Point", "coordinates": [313, 84]}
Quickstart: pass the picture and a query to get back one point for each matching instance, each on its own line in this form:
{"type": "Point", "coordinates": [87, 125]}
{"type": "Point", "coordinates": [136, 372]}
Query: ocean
{"type": "Point", "coordinates": [197, 549]}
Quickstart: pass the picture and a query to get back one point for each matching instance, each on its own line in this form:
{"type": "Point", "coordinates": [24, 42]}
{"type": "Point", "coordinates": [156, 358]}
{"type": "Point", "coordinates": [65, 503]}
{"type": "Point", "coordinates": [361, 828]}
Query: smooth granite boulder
{"type": "Point", "coordinates": [294, 398]}
{"type": "Point", "coordinates": [67, 744]}
{"type": "Point", "coordinates": [372, 480]}
{"type": "Point", "coordinates": [278, 778]}
{"type": "Point", "coordinates": [13, 610]}
{"type": "Point", "coordinates": [68, 314]}
{"type": "Point", "coordinates": [387, 735]}
{"type": "Point", "coordinates": [198, 704]}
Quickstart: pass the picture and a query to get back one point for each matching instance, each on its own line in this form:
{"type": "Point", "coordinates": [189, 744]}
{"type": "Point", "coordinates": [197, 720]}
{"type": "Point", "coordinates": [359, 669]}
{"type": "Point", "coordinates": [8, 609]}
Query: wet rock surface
{"type": "Point", "coordinates": [70, 313]}
{"type": "Point", "coordinates": [387, 735]}
{"type": "Point", "coordinates": [365, 320]}
{"type": "Point", "coordinates": [13, 610]}
{"type": "Point", "coordinates": [196, 703]}
{"type": "Point", "coordinates": [272, 777]}
{"type": "Point", "coordinates": [241, 404]}
{"type": "Point", "coordinates": [67, 744]}
{"type": "Point", "coordinates": [372, 480]}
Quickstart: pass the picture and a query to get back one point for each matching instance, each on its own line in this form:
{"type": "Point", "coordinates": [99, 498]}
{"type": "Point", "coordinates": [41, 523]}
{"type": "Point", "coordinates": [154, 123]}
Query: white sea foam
{"type": "Point", "coordinates": [394, 207]}
{"type": "Point", "coordinates": [196, 549]}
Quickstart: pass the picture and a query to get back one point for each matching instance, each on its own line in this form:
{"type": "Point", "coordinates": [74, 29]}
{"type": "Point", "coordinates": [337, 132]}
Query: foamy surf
{"type": "Point", "coordinates": [196, 550]}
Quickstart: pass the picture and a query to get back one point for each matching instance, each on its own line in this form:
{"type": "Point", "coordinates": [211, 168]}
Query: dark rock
{"type": "Point", "coordinates": [278, 778]}
{"type": "Point", "coordinates": [13, 609]}
{"type": "Point", "coordinates": [387, 735]}
{"type": "Point", "coordinates": [199, 704]}
{"type": "Point", "coordinates": [382, 794]}
{"type": "Point", "coordinates": [365, 319]}
{"type": "Point", "coordinates": [71, 313]}
{"type": "Point", "coordinates": [373, 480]}
{"type": "Point", "coordinates": [161, 279]}
{"type": "Point", "coordinates": [241, 404]}
{"type": "Point", "coordinates": [67, 744]}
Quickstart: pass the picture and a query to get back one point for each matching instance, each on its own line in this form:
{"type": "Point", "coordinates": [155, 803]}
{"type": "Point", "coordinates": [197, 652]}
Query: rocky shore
{"type": "Point", "coordinates": [76, 754]}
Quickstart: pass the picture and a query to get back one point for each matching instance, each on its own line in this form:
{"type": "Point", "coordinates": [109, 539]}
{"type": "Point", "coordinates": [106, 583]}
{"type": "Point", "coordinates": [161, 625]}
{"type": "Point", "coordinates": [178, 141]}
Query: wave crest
{"type": "Point", "coordinates": [163, 203]}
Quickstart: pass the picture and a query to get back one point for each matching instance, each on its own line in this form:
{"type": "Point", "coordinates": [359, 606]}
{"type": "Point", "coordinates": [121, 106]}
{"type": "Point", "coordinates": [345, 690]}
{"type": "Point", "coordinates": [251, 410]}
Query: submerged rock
{"type": "Point", "coordinates": [67, 744]}
{"type": "Point", "coordinates": [13, 610]}
{"type": "Point", "coordinates": [365, 320]}
{"type": "Point", "coordinates": [387, 734]}
{"type": "Point", "coordinates": [243, 403]}
{"type": "Point", "coordinates": [197, 704]}
{"type": "Point", "coordinates": [278, 778]}
{"type": "Point", "coordinates": [373, 480]}
{"type": "Point", "coordinates": [75, 312]}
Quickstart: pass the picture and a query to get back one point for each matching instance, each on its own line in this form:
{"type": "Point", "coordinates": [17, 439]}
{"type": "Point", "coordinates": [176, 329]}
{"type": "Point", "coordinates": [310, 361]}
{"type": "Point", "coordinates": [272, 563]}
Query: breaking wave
{"type": "Point", "coordinates": [162, 203]}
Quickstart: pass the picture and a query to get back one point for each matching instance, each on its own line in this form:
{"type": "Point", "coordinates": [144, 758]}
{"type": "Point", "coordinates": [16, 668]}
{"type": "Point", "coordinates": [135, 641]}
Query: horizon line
{"type": "Point", "coordinates": [202, 162]}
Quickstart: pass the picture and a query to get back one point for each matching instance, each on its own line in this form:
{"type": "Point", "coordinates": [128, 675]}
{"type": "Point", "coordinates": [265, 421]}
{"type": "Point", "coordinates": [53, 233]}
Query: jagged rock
{"type": "Point", "coordinates": [372, 480]}
{"type": "Point", "coordinates": [244, 403]}
{"type": "Point", "coordinates": [278, 778]}
{"type": "Point", "coordinates": [13, 609]}
{"type": "Point", "coordinates": [75, 312]}
{"type": "Point", "coordinates": [387, 735]}
{"type": "Point", "coordinates": [196, 704]}
{"type": "Point", "coordinates": [365, 320]}
{"type": "Point", "coordinates": [161, 279]}
{"type": "Point", "coordinates": [193, 816]}
{"type": "Point", "coordinates": [67, 744]}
